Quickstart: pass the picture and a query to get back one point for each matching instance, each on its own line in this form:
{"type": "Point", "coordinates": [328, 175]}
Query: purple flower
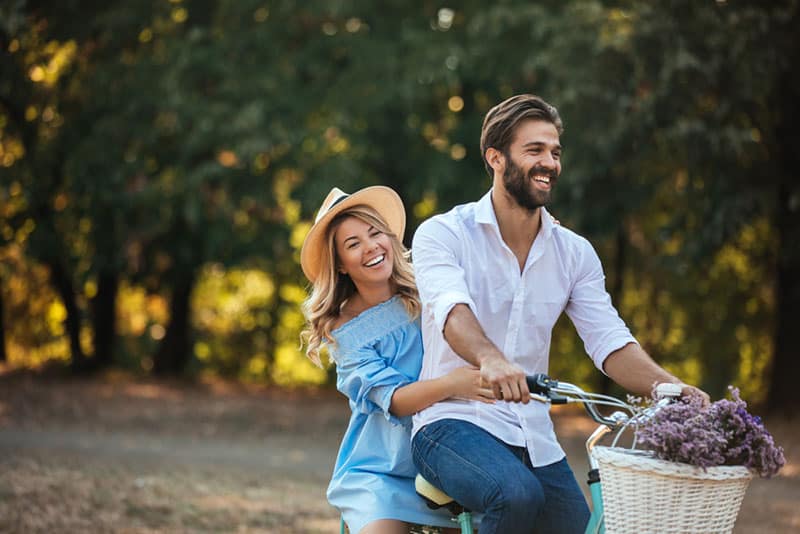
{"type": "Point", "coordinates": [724, 433]}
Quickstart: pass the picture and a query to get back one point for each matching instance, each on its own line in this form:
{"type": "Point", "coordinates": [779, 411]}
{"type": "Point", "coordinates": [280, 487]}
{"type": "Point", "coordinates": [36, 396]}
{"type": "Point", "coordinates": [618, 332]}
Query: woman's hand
{"type": "Point", "coordinates": [465, 383]}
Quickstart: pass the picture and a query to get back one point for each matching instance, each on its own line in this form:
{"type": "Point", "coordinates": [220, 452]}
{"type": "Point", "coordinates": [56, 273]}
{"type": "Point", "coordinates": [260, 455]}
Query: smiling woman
{"type": "Point", "coordinates": [364, 308]}
{"type": "Point", "coordinates": [365, 255]}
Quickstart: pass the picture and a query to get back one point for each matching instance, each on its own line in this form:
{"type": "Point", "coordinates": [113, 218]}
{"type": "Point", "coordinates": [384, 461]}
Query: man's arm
{"type": "Point", "coordinates": [633, 369]}
{"type": "Point", "coordinates": [443, 288]}
{"type": "Point", "coordinates": [466, 337]}
{"type": "Point", "coordinates": [608, 341]}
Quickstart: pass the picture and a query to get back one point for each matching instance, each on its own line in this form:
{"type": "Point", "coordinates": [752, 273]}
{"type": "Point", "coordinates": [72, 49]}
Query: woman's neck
{"type": "Point", "coordinates": [366, 297]}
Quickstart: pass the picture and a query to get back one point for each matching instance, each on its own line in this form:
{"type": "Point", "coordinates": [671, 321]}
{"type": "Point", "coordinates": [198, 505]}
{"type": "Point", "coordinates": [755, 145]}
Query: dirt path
{"type": "Point", "coordinates": [115, 455]}
{"type": "Point", "coordinates": [279, 455]}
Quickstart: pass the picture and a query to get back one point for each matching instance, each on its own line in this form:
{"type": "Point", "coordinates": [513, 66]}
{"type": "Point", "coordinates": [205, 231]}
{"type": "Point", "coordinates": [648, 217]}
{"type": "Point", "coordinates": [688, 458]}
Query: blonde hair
{"type": "Point", "coordinates": [332, 288]}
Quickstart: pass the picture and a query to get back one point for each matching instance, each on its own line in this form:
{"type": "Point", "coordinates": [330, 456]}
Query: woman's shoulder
{"type": "Point", "coordinates": [345, 316]}
{"type": "Point", "coordinates": [358, 330]}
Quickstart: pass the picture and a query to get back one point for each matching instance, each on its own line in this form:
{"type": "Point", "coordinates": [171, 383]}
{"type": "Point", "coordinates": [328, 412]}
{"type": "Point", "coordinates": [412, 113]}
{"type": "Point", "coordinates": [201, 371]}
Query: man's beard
{"type": "Point", "coordinates": [521, 187]}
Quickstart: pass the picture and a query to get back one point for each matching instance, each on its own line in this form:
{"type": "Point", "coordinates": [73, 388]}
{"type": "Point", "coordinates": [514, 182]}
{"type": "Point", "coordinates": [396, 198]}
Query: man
{"type": "Point", "coordinates": [494, 276]}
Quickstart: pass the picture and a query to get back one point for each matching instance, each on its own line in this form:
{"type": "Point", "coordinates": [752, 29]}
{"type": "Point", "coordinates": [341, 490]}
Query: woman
{"type": "Point", "coordinates": [364, 307]}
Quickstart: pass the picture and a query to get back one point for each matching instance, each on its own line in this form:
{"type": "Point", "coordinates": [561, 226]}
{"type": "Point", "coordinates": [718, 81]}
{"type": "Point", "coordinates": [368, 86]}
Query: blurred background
{"type": "Point", "coordinates": [161, 161]}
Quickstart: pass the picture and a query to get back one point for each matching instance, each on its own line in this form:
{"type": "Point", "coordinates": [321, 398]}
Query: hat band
{"type": "Point", "coordinates": [338, 200]}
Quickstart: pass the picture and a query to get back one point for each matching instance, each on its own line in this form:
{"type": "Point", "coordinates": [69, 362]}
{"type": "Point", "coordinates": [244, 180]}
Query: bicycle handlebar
{"type": "Point", "coordinates": [545, 389]}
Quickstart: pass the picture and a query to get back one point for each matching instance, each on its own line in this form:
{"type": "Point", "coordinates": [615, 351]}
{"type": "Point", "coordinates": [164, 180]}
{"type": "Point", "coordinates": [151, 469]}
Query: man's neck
{"type": "Point", "coordinates": [518, 226]}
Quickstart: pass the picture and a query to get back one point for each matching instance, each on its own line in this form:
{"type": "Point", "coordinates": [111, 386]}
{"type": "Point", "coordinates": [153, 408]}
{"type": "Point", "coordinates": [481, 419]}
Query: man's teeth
{"type": "Point", "coordinates": [375, 261]}
{"type": "Point", "coordinates": [543, 179]}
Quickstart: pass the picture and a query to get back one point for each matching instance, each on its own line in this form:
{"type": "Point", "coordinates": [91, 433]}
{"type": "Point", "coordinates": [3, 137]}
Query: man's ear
{"type": "Point", "coordinates": [496, 160]}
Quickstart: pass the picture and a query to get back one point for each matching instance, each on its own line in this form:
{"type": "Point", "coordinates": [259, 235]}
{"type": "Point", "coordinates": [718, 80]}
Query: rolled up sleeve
{"type": "Point", "coordinates": [366, 379]}
{"type": "Point", "coordinates": [439, 274]}
{"type": "Point", "coordinates": [591, 311]}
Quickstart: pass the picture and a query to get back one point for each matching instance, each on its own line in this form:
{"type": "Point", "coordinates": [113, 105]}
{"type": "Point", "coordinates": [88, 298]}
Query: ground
{"type": "Point", "coordinates": [117, 454]}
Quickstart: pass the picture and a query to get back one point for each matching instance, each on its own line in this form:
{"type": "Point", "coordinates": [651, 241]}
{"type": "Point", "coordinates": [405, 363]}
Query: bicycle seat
{"type": "Point", "coordinates": [432, 494]}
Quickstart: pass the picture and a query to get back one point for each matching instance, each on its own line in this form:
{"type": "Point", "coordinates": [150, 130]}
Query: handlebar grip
{"type": "Point", "coordinates": [540, 383]}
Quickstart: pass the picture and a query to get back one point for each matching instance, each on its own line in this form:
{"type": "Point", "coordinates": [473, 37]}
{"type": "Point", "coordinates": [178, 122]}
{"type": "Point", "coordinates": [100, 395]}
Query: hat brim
{"type": "Point", "coordinates": [380, 198]}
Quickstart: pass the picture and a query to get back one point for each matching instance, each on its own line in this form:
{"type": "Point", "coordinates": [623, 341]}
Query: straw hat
{"type": "Point", "coordinates": [380, 198]}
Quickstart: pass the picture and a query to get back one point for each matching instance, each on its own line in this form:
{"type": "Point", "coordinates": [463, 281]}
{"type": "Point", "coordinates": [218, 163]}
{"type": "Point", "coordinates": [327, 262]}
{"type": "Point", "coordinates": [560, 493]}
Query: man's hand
{"type": "Point", "coordinates": [506, 379]}
{"type": "Point", "coordinates": [679, 389]}
{"type": "Point", "coordinates": [466, 337]}
{"type": "Point", "coordinates": [632, 368]}
{"type": "Point", "coordinates": [691, 391]}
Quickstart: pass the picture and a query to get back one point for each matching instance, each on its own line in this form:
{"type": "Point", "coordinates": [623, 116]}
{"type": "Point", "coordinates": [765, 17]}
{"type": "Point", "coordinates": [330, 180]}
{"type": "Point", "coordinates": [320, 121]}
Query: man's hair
{"type": "Point", "coordinates": [501, 122]}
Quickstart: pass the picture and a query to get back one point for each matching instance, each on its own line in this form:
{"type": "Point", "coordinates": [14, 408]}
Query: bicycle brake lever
{"type": "Point", "coordinates": [540, 398]}
{"type": "Point", "coordinates": [549, 397]}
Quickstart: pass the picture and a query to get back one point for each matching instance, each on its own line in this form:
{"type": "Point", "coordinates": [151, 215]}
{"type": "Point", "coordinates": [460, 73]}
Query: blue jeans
{"type": "Point", "coordinates": [487, 475]}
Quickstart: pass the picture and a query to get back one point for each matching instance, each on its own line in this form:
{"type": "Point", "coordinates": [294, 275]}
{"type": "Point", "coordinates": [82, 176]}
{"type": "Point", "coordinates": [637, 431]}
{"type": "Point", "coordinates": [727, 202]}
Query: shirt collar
{"type": "Point", "coordinates": [484, 211]}
{"type": "Point", "coordinates": [484, 214]}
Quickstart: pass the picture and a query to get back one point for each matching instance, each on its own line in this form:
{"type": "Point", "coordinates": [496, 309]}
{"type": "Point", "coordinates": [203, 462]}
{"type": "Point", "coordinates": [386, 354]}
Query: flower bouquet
{"type": "Point", "coordinates": [724, 433]}
{"type": "Point", "coordinates": [694, 475]}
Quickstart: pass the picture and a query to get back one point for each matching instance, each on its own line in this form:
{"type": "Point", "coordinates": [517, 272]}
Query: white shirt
{"type": "Point", "coordinates": [460, 257]}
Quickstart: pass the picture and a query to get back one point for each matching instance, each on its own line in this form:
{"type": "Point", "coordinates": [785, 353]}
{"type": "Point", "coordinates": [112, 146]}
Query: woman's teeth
{"type": "Point", "coordinates": [375, 261]}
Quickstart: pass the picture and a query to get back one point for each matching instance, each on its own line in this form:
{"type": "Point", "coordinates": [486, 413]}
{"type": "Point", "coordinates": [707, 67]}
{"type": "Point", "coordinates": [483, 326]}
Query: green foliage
{"type": "Point", "coordinates": [163, 141]}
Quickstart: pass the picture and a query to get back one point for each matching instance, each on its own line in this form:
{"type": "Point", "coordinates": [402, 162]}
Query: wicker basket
{"type": "Point", "coordinates": [644, 494]}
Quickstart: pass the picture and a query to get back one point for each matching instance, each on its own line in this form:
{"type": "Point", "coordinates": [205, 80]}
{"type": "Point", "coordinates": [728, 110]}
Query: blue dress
{"type": "Point", "coordinates": [375, 353]}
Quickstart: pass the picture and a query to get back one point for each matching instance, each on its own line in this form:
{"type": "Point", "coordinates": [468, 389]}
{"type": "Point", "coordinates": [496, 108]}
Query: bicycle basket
{"type": "Point", "coordinates": [644, 494]}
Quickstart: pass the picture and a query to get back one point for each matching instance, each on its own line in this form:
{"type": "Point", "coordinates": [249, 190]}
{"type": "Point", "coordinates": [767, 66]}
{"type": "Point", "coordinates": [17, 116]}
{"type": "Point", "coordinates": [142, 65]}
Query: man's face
{"type": "Point", "coordinates": [533, 164]}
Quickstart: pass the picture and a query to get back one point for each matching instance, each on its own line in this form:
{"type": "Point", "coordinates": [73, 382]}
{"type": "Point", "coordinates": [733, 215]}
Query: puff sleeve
{"type": "Point", "coordinates": [367, 379]}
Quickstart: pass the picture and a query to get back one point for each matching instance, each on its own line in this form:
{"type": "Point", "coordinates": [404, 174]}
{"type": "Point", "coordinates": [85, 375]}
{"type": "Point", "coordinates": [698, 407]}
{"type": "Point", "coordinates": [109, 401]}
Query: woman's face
{"type": "Point", "coordinates": [365, 253]}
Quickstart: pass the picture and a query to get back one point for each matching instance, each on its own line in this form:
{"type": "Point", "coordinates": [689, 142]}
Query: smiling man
{"type": "Point", "coordinates": [494, 276]}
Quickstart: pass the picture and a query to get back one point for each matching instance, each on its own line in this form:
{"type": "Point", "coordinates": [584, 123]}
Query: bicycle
{"type": "Point", "coordinates": [544, 389]}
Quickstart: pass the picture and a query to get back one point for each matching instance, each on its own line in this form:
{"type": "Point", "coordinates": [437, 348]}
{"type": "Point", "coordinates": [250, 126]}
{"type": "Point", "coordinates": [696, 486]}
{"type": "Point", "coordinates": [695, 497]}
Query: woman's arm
{"type": "Point", "coordinates": [464, 382]}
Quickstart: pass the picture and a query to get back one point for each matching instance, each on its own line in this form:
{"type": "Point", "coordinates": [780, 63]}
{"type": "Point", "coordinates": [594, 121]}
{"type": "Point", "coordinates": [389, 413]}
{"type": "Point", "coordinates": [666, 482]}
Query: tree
{"type": "Point", "coordinates": [3, 356]}
{"type": "Point", "coordinates": [26, 97]}
{"type": "Point", "coordinates": [202, 132]}
{"type": "Point", "coordinates": [785, 366]}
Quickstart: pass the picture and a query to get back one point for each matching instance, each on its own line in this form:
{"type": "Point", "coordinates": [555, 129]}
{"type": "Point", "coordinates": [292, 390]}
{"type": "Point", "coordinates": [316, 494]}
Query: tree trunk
{"type": "Point", "coordinates": [65, 289]}
{"type": "Point", "coordinates": [104, 319]}
{"type": "Point", "coordinates": [174, 352]}
{"type": "Point", "coordinates": [782, 395]}
{"type": "Point", "coordinates": [3, 356]}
